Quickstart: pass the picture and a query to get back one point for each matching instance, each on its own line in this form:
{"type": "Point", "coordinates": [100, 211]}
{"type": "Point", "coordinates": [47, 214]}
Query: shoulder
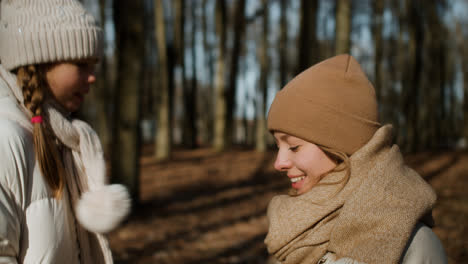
{"type": "Point", "coordinates": [12, 119]}
{"type": "Point", "coordinates": [17, 151]}
{"type": "Point", "coordinates": [13, 135]}
{"type": "Point", "coordinates": [424, 247]}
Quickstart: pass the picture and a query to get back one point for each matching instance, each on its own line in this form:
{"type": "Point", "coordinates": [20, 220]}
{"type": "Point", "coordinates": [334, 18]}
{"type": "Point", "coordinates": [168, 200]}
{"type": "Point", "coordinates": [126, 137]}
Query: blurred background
{"type": "Point", "coordinates": [183, 92]}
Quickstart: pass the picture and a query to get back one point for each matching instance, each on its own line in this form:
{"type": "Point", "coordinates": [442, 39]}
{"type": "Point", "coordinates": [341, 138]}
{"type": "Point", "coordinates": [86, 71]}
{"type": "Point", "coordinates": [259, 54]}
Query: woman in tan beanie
{"type": "Point", "coordinates": [353, 200]}
{"type": "Point", "coordinates": [55, 204]}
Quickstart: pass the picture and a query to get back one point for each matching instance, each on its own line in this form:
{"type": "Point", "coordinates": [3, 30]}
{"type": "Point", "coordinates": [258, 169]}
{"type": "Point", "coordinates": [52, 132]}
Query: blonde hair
{"type": "Point", "coordinates": [343, 163]}
{"type": "Point", "coordinates": [32, 81]}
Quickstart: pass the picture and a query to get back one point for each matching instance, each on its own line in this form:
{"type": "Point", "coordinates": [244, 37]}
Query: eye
{"type": "Point", "coordinates": [85, 66]}
{"type": "Point", "coordinates": [81, 64]}
{"type": "Point", "coordinates": [294, 148]}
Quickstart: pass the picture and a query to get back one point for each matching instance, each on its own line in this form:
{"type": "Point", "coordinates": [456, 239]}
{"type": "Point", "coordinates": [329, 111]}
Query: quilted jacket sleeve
{"type": "Point", "coordinates": [13, 171]}
{"type": "Point", "coordinates": [424, 247]}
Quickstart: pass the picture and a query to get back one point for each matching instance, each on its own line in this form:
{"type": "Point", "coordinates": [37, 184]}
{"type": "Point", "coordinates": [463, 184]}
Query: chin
{"type": "Point", "coordinates": [72, 108]}
{"type": "Point", "coordinates": [293, 192]}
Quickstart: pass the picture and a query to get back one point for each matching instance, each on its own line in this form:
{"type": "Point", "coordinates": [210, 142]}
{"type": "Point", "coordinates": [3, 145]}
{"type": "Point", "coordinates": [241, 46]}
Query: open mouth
{"type": "Point", "coordinates": [297, 182]}
{"type": "Point", "coordinates": [296, 179]}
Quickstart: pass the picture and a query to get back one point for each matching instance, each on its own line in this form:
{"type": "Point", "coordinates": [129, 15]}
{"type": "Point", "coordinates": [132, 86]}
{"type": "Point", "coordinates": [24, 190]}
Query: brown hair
{"type": "Point", "coordinates": [32, 80]}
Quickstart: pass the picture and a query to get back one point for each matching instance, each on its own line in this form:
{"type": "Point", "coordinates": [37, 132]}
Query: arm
{"type": "Point", "coordinates": [424, 247]}
{"type": "Point", "coordinates": [12, 173]}
{"type": "Point", "coordinates": [9, 224]}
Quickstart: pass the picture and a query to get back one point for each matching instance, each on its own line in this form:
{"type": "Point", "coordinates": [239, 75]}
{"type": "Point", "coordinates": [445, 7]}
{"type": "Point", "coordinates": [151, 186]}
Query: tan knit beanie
{"type": "Point", "coordinates": [332, 104]}
{"type": "Point", "coordinates": [41, 31]}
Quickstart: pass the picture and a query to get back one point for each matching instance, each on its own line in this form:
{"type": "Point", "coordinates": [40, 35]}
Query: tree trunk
{"type": "Point", "coordinates": [239, 28]}
{"type": "Point", "coordinates": [130, 44]}
{"type": "Point", "coordinates": [378, 7]}
{"type": "Point", "coordinates": [435, 78]}
{"type": "Point", "coordinates": [179, 37]}
{"type": "Point", "coordinates": [283, 44]}
{"type": "Point", "coordinates": [191, 96]}
{"type": "Point", "coordinates": [343, 27]}
{"type": "Point", "coordinates": [412, 77]}
{"type": "Point", "coordinates": [103, 93]}
{"type": "Point", "coordinates": [400, 76]}
{"type": "Point", "coordinates": [220, 97]}
{"type": "Point", "coordinates": [308, 45]}
{"type": "Point", "coordinates": [207, 100]}
{"type": "Point", "coordinates": [463, 51]}
{"type": "Point", "coordinates": [260, 145]}
{"type": "Point", "coordinates": [163, 139]}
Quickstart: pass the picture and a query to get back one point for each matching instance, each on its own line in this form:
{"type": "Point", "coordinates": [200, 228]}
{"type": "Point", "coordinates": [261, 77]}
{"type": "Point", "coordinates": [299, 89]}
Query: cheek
{"type": "Point", "coordinates": [314, 164]}
{"type": "Point", "coordinates": [62, 86]}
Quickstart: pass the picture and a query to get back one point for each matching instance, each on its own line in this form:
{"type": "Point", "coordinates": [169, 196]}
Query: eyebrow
{"type": "Point", "coordinates": [284, 137]}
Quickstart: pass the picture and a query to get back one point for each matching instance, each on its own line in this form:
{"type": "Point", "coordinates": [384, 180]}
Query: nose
{"type": "Point", "coordinates": [91, 77]}
{"type": "Point", "coordinates": [90, 73]}
{"type": "Point", "coordinates": [282, 162]}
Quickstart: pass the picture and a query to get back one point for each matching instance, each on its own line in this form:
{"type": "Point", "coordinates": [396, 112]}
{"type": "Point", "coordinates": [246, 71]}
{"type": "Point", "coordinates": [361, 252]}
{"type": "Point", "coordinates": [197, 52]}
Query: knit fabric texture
{"type": "Point", "coordinates": [331, 104]}
{"type": "Point", "coordinates": [43, 31]}
{"type": "Point", "coordinates": [369, 220]}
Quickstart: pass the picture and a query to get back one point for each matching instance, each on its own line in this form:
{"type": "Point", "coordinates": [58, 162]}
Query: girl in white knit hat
{"type": "Point", "coordinates": [353, 200]}
{"type": "Point", "coordinates": [55, 204]}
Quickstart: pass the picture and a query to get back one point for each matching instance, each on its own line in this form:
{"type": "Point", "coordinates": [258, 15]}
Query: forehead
{"type": "Point", "coordinates": [73, 62]}
{"type": "Point", "coordinates": [87, 61]}
{"type": "Point", "coordinates": [281, 136]}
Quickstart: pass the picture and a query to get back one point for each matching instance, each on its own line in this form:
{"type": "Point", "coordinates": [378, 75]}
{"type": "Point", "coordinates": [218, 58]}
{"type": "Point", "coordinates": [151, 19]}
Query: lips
{"type": "Point", "coordinates": [297, 181]}
{"type": "Point", "coordinates": [80, 97]}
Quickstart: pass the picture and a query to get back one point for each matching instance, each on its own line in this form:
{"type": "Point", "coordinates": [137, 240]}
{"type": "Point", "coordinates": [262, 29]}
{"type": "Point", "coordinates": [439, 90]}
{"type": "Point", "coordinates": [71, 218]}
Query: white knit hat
{"type": "Point", "coordinates": [41, 31]}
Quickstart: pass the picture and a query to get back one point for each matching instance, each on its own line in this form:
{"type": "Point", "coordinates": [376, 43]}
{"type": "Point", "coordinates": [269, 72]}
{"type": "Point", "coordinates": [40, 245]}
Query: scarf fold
{"type": "Point", "coordinates": [369, 220]}
{"type": "Point", "coordinates": [99, 207]}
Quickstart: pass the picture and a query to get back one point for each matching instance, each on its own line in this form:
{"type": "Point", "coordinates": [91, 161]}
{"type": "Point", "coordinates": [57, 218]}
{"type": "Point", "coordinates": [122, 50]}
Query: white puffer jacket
{"type": "Point", "coordinates": [34, 226]}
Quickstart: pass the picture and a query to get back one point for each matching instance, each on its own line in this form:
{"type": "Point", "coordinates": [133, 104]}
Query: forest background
{"type": "Point", "coordinates": [184, 88]}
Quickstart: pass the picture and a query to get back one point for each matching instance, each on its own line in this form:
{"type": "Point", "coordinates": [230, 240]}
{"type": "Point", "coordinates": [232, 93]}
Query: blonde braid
{"type": "Point", "coordinates": [33, 83]}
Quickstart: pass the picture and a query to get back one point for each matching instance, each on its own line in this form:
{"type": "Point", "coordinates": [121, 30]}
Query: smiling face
{"type": "Point", "coordinates": [304, 162]}
{"type": "Point", "coordinates": [69, 82]}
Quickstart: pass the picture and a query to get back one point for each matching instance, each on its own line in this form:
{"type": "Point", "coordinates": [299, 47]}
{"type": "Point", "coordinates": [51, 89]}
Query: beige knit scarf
{"type": "Point", "coordinates": [370, 220]}
{"type": "Point", "coordinates": [98, 207]}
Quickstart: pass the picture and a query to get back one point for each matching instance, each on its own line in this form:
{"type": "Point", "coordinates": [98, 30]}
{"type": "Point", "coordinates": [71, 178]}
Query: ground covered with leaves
{"type": "Point", "coordinates": [204, 207]}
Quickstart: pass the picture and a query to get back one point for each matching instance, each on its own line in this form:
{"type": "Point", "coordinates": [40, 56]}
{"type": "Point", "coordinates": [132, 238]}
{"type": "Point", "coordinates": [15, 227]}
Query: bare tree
{"type": "Point", "coordinates": [163, 139]}
{"type": "Point", "coordinates": [412, 75]}
{"type": "Point", "coordinates": [463, 51]}
{"type": "Point", "coordinates": [130, 42]}
{"type": "Point", "coordinates": [343, 27]}
{"type": "Point", "coordinates": [239, 30]}
{"type": "Point", "coordinates": [308, 44]}
{"type": "Point", "coordinates": [189, 131]}
{"type": "Point", "coordinates": [207, 100]}
{"type": "Point", "coordinates": [194, 93]}
{"type": "Point", "coordinates": [260, 144]}
{"type": "Point", "coordinates": [377, 24]}
{"type": "Point", "coordinates": [189, 89]}
{"type": "Point", "coordinates": [220, 97]}
{"type": "Point", "coordinates": [283, 43]}
{"type": "Point", "coordinates": [434, 116]}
